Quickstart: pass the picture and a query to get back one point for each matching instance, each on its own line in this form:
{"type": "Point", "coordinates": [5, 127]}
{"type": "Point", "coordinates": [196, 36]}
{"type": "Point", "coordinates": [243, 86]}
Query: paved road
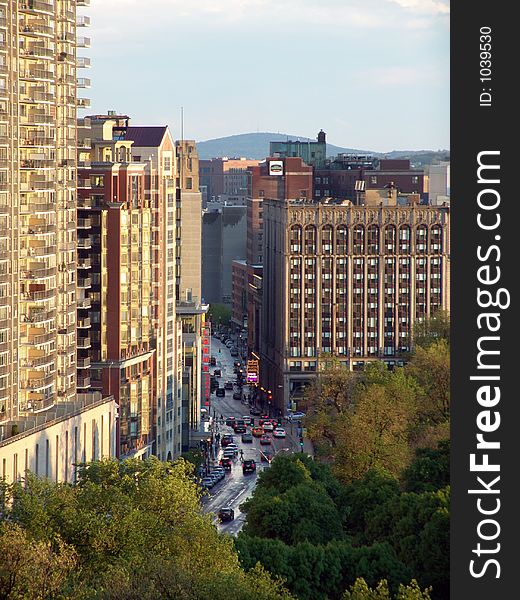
{"type": "Point", "coordinates": [236, 487]}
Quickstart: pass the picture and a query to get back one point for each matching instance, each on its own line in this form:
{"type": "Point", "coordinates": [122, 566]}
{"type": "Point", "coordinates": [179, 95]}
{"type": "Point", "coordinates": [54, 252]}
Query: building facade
{"type": "Point", "coordinates": [225, 178]}
{"type": "Point", "coordinates": [312, 153]}
{"type": "Point", "coordinates": [38, 104]}
{"type": "Point", "coordinates": [348, 281]}
{"type": "Point", "coordinates": [239, 289]}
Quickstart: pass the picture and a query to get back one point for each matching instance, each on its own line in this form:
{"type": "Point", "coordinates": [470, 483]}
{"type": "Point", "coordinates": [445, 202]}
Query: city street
{"type": "Point", "coordinates": [236, 487]}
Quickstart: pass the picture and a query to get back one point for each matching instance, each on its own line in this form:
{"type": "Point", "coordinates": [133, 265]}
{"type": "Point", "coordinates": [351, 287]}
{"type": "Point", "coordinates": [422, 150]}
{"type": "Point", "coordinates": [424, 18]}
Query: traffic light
{"type": "Point", "coordinates": [301, 442]}
{"type": "Point", "coordinates": [269, 397]}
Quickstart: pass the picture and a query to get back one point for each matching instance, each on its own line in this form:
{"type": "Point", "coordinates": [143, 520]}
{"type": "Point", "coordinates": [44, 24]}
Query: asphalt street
{"type": "Point", "coordinates": [236, 487]}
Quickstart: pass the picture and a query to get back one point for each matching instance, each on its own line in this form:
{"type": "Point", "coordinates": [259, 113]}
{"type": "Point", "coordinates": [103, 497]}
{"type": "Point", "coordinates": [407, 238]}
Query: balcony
{"type": "Point", "coordinates": [83, 42]}
{"type": "Point", "coordinates": [83, 62]}
{"type": "Point", "coordinates": [83, 363]}
{"type": "Point", "coordinates": [84, 303]}
{"type": "Point", "coordinates": [84, 282]}
{"type": "Point", "coordinates": [83, 342]}
{"type": "Point", "coordinates": [83, 82]}
{"type": "Point", "coordinates": [35, 6]}
{"type": "Point", "coordinates": [36, 51]}
{"type": "Point", "coordinates": [84, 263]}
{"type": "Point", "coordinates": [36, 383]}
{"type": "Point", "coordinates": [82, 2]}
{"type": "Point", "coordinates": [38, 315]}
{"type": "Point", "coordinates": [84, 243]}
{"type": "Point", "coordinates": [83, 382]}
{"type": "Point", "coordinates": [35, 28]}
{"type": "Point", "coordinates": [44, 359]}
{"type": "Point", "coordinates": [83, 102]}
{"type": "Point", "coordinates": [84, 323]}
{"type": "Point", "coordinates": [35, 339]}
{"type": "Point", "coordinates": [84, 223]}
{"type": "Point", "coordinates": [36, 402]}
{"type": "Point", "coordinates": [38, 296]}
{"type": "Point", "coordinates": [38, 273]}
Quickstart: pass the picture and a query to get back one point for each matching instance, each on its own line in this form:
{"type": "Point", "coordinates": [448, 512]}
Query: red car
{"type": "Point", "coordinates": [263, 419]}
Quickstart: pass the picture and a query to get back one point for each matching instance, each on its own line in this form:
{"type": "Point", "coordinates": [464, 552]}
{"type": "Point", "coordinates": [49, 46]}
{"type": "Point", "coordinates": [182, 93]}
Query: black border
{"type": "Point", "coordinates": [474, 129]}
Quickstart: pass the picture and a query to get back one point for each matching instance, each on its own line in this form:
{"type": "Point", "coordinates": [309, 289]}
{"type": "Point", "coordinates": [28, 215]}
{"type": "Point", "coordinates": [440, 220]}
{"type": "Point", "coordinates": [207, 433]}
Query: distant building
{"type": "Point", "coordinates": [439, 182]}
{"type": "Point", "coordinates": [225, 177]}
{"type": "Point", "coordinates": [312, 153]}
{"type": "Point", "coordinates": [223, 241]}
{"type": "Point", "coordinates": [348, 281]}
{"type": "Point", "coordinates": [239, 291]}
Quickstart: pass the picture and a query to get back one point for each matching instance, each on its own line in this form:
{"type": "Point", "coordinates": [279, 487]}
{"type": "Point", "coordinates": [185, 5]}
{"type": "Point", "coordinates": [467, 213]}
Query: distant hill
{"type": "Point", "coordinates": [256, 146]}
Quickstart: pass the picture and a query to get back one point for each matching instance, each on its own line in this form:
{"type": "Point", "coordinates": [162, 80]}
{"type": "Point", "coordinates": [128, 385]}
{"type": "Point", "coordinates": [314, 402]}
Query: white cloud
{"type": "Point", "coordinates": [433, 7]}
{"type": "Point", "coordinates": [400, 76]}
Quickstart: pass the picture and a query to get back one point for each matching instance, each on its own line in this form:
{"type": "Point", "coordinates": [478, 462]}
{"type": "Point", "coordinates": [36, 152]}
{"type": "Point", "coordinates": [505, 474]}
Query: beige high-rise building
{"type": "Point", "coordinates": [38, 105]}
{"type": "Point", "coordinates": [347, 281]}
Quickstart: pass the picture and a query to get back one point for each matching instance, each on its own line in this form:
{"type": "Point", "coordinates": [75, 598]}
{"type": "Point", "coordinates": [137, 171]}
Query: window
{"type": "Point", "coordinates": [189, 183]}
{"type": "Point", "coordinates": [261, 193]}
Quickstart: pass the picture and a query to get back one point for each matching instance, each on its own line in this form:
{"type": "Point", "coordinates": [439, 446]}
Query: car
{"type": "Point", "coordinates": [234, 352]}
{"type": "Point", "coordinates": [207, 482]}
{"type": "Point", "coordinates": [279, 432]}
{"type": "Point", "coordinates": [226, 514]}
{"type": "Point", "coordinates": [237, 396]}
{"type": "Point", "coordinates": [232, 446]}
{"type": "Point", "coordinates": [247, 419]}
{"type": "Point", "coordinates": [257, 431]}
{"type": "Point", "coordinates": [265, 440]}
{"type": "Point", "coordinates": [295, 416]}
{"type": "Point", "coordinates": [248, 466]}
{"type": "Point", "coordinates": [240, 429]}
{"type": "Point", "coordinates": [228, 385]}
{"type": "Point", "coordinates": [220, 472]}
{"type": "Point", "coordinates": [263, 419]}
{"type": "Point", "coordinates": [217, 373]}
{"type": "Point", "coordinates": [255, 411]}
{"type": "Point", "coordinates": [268, 426]}
{"type": "Point", "coordinates": [229, 454]}
{"type": "Point", "coordinates": [221, 392]}
{"type": "Point", "coordinates": [266, 456]}
{"type": "Point", "coordinates": [226, 440]}
{"type": "Point", "coordinates": [247, 438]}
{"type": "Point", "coordinates": [226, 463]}
{"type": "Point", "coordinates": [230, 421]}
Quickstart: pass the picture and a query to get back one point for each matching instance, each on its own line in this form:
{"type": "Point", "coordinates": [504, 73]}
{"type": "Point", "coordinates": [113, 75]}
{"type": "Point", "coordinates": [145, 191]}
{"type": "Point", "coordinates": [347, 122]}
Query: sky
{"type": "Point", "coordinates": [373, 74]}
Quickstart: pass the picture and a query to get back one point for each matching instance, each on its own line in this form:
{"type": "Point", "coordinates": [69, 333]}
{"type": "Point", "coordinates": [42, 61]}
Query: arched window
{"type": "Point", "coordinates": [436, 240]}
{"type": "Point", "coordinates": [404, 239]}
{"type": "Point", "coordinates": [373, 239]}
{"type": "Point", "coordinates": [421, 239]}
{"type": "Point", "coordinates": [296, 239]}
{"type": "Point", "coordinates": [310, 239]}
{"type": "Point", "coordinates": [358, 241]}
{"type": "Point", "coordinates": [390, 238]}
{"type": "Point", "coordinates": [341, 239]}
{"type": "Point", "coordinates": [326, 239]}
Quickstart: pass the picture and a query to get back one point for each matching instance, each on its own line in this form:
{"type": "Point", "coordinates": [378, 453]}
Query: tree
{"type": "Point", "coordinates": [428, 331]}
{"type": "Point", "coordinates": [31, 569]}
{"type": "Point", "coordinates": [430, 470]}
{"type": "Point", "coordinates": [219, 314]}
{"type": "Point", "coordinates": [137, 524]}
{"type": "Point", "coordinates": [430, 368]}
{"type": "Point", "coordinates": [361, 591]}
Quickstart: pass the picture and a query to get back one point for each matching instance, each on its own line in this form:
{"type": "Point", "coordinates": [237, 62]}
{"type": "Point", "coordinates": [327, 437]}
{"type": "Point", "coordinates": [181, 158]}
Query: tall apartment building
{"type": "Point", "coordinates": [116, 243]}
{"type": "Point", "coordinates": [154, 147]}
{"type": "Point", "coordinates": [45, 426]}
{"type": "Point", "coordinates": [37, 205]}
{"type": "Point", "coordinates": [191, 309]}
{"type": "Point", "coordinates": [349, 281]}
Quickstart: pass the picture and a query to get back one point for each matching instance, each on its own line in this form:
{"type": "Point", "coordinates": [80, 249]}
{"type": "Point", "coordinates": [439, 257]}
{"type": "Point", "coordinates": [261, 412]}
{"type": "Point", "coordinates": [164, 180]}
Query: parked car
{"type": "Point", "coordinates": [248, 466]}
{"type": "Point", "coordinates": [226, 514]}
{"type": "Point", "coordinates": [295, 416]}
{"type": "Point", "coordinates": [228, 385]}
{"type": "Point", "coordinates": [279, 432]}
{"type": "Point", "coordinates": [237, 396]}
{"type": "Point", "coordinates": [265, 440]}
{"type": "Point", "coordinates": [208, 482]}
{"type": "Point", "coordinates": [247, 438]}
{"type": "Point", "coordinates": [221, 392]}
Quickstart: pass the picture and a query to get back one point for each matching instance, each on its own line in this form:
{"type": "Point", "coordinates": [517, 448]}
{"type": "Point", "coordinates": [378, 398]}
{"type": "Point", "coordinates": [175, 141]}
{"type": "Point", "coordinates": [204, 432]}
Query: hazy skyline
{"type": "Point", "coordinates": [373, 74]}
